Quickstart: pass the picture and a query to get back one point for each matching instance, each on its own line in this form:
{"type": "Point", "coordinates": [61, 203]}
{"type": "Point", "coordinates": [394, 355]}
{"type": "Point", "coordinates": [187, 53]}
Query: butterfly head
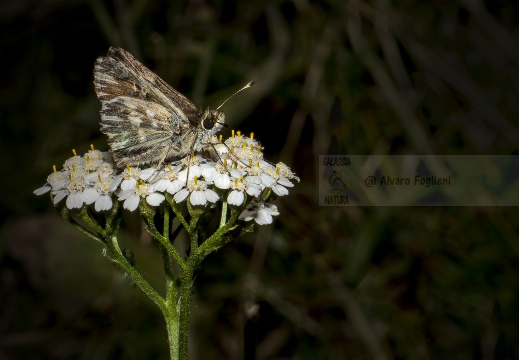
{"type": "Point", "coordinates": [212, 120]}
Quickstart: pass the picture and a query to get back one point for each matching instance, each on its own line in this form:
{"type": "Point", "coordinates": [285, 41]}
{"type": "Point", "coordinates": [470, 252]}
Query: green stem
{"type": "Point", "coordinates": [117, 256]}
{"type": "Point", "coordinates": [170, 313]}
{"type": "Point", "coordinates": [66, 215]}
{"type": "Point", "coordinates": [186, 284]}
{"type": "Point", "coordinates": [165, 242]}
{"type": "Point", "coordinates": [172, 326]}
{"type": "Point", "coordinates": [178, 213]}
{"type": "Point", "coordinates": [88, 233]}
{"type": "Point", "coordinates": [217, 239]}
{"type": "Point", "coordinates": [223, 218]}
{"type": "Point", "coordinates": [112, 214]}
{"type": "Point", "coordinates": [83, 213]}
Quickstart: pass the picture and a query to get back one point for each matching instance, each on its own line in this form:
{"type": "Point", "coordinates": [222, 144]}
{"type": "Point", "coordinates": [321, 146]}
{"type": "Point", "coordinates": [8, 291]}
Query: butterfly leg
{"type": "Point", "coordinates": [159, 166]}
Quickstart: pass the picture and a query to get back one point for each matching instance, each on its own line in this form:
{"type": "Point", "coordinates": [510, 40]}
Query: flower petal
{"type": "Point", "coordinates": [123, 195]}
{"type": "Point", "coordinates": [175, 186]}
{"type": "Point", "coordinates": [267, 180]}
{"type": "Point", "coordinates": [198, 198]}
{"type": "Point", "coordinates": [40, 191]}
{"type": "Point", "coordinates": [155, 199]}
{"type": "Point", "coordinates": [59, 196]}
{"type": "Point", "coordinates": [285, 182]}
{"type": "Point", "coordinates": [89, 196]}
{"type": "Point", "coordinates": [235, 198]}
{"type": "Point", "coordinates": [211, 195]}
{"type": "Point", "coordinates": [115, 183]}
{"type": "Point", "coordinates": [161, 185]}
{"type": "Point", "coordinates": [103, 203]}
{"type": "Point", "coordinates": [146, 173]}
{"type": "Point", "coordinates": [57, 185]}
{"type": "Point", "coordinates": [209, 173]}
{"type": "Point", "coordinates": [131, 203]}
{"type": "Point", "coordinates": [222, 181]}
{"type": "Point", "coordinates": [181, 195]}
{"type": "Point", "coordinates": [279, 190]}
{"type": "Point", "coordinates": [272, 209]}
{"type": "Point", "coordinates": [74, 201]}
{"type": "Point", "coordinates": [128, 184]}
{"type": "Point", "coordinates": [237, 173]}
{"type": "Point", "coordinates": [253, 191]}
{"type": "Point", "coordinates": [263, 217]}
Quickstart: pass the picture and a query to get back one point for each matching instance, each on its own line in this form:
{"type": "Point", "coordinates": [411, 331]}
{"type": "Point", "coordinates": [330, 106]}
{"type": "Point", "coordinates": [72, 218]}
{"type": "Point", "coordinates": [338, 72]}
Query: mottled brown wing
{"type": "Point", "coordinates": [141, 114]}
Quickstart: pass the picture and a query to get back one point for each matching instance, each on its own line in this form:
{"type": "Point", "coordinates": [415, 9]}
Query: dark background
{"type": "Point", "coordinates": [337, 77]}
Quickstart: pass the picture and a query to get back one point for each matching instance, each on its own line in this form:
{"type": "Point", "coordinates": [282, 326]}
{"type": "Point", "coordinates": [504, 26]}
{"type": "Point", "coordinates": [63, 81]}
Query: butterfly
{"type": "Point", "coordinates": [148, 123]}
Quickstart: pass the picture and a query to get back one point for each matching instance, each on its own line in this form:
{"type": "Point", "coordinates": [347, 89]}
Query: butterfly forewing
{"type": "Point", "coordinates": [145, 119]}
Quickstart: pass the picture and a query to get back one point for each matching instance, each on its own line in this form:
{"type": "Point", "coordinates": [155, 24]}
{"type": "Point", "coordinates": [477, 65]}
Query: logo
{"type": "Point", "coordinates": [147, 121]}
{"type": "Point", "coordinates": [337, 181]}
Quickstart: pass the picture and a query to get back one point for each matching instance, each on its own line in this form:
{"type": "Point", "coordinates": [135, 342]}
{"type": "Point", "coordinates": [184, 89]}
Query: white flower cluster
{"type": "Point", "coordinates": [229, 170]}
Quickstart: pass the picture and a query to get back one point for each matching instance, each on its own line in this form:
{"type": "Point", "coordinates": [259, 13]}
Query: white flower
{"type": "Point", "coordinates": [74, 163]}
{"type": "Point", "coordinates": [75, 188]}
{"type": "Point", "coordinates": [132, 197]}
{"type": "Point", "coordinates": [194, 171]}
{"type": "Point", "coordinates": [239, 186]}
{"type": "Point", "coordinates": [55, 181]}
{"type": "Point", "coordinates": [259, 211]}
{"type": "Point", "coordinates": [100, 193]}
{"type": "Point", "coordinates": [93, 160]}
{"type": "Point", "coordinates": [72, 188]}
{"type": "Point", "coordinates": [219, 174]}
{"type": "Point", "coordinates": [285, 171]}
{"type": "Point", "coordinates": [238, 140]}
{"type": "Point", "coordinates": [198, 191]}
{"type": "Point", "coordinates": [130, 176]}
{"type": "Point", "coordinates": [169, 181]}
{"type": "Point", "coordinates": [273, 179]}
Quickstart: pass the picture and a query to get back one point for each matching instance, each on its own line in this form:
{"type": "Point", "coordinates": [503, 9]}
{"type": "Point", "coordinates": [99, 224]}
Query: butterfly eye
{"type": "Point", "coordinates": [208, 123]}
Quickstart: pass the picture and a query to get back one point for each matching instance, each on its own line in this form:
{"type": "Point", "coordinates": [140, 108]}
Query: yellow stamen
{"type": "Point", "coordinates": [99, 178]}
{"type": "Point", "coordinates": [244, 146]}
{"type": "Point", "coordinates": [235, 182]}
{"type": "Point", "coordinates": [87, 159]}
{"type": "Point", "coordinates": [92, 147]}
{"type": "Point", "coordinates": [232, 133]}
{"type": "Point", "coordinates": [257, 163]}
{"type": "Point", "coordinates": [54, 168]}
{"type": "Point", "coordinates": [252, 136]}
{"type": "Point", "coordinates": [73, 168]}
{"type": "Point", "coordinates": [259, 148]}
{"type": "Point", "coordinates": [232, 149]}
{"type": "Point", "coordinates": [225, 162]}
{"type": "Point", "coordinates": [238, 133]}
{"type": "Point", "coordinates": [241, 179]}
{"type": "Point", "coordinates": [128, 167]}
{"type": "Point", "coordinates": [69, 176]}
{"type": "Point", "coordinates": [196, 180]}
{"type": "Point", "coordinates": [170, 169]}
{"type": "Point", "coordinates": [74, 152]}
{"type": "Point", "coordinates": [277, 170]}
{"type": "Point", "coordinates": [141, 182]}
{"type": "Point", "coordinates": [220, 138]}
{"type": "Point", "coordinates": [251, 147]}
{"type": "Point", "coordinates": [250, 162]}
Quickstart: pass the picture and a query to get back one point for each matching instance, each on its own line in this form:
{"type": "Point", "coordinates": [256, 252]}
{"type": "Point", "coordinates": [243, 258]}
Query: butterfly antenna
{"type": "Point", "coordinates": [243, 88]}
